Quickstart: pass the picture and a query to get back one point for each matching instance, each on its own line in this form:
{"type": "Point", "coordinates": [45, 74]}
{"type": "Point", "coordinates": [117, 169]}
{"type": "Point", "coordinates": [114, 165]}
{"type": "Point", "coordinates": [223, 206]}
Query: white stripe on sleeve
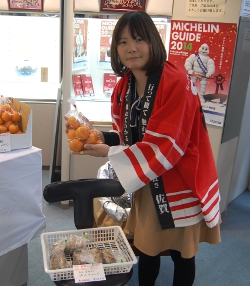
{"type": "Point", "coordinates": [124, 169]}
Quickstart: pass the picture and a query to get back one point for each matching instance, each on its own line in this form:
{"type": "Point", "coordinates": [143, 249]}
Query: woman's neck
{"type": "Point", "coordinates": [140, 83]}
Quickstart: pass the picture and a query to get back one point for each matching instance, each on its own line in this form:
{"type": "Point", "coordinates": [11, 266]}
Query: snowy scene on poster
{"type": "Point", "coordinates": [205, 51]}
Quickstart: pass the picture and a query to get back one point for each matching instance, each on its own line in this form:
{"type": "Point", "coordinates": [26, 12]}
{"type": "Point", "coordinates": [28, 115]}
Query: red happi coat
{"type": "Point", "coordinates": [175, 146]}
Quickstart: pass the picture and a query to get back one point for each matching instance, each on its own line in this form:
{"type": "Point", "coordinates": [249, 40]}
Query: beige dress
{"type": "Point", "coordinates": [151, 239]}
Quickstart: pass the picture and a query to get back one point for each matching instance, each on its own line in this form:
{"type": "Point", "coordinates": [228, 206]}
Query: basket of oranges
{"type": "Point", "coordinates": [10, 117]}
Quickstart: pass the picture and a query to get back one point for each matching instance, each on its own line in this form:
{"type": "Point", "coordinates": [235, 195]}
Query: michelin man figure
{"type": "Point", "coordinates": [200, 66]}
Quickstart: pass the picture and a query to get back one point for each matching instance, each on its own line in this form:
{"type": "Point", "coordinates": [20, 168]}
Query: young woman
{"type": "Point", "coordinates": [160, 150]}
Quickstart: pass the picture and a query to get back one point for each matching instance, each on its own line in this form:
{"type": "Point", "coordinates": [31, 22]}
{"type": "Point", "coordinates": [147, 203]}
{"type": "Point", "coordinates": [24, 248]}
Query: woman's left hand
{"type": "Point", "coordinates": [96, 150]}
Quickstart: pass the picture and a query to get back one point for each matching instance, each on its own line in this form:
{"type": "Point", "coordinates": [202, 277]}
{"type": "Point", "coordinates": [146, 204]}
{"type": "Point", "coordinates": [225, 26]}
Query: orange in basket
{"type": "Point", "coordinates": [15, 116]}
{"type": "Point", "coordinates": [76, 145]}
{"type": "Point", "coordinates": [6, 107]}
{"type": "Point", "coordinates": [6, 116]}
{"type": "Point", "coordinates": [7, 124]}
{"type": "Point", "coordinates": [13, 128]}
{"type": "Point", "coordinates": [82, 132]}
{"type": "Point", "coordinates": [3, 129]}
{"type": "Point", "coordinates": [93, 137]}
{"type": "Point", "coordinates": [73, 122]}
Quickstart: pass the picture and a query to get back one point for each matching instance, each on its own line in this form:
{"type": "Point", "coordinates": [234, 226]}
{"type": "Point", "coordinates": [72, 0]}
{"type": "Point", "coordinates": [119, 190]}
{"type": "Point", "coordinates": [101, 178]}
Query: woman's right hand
{"type": "Point", "coordinates": [95, 150]}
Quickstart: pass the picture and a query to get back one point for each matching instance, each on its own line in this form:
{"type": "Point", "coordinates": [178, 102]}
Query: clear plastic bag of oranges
{"type": "Point", "coordinates": [10, 117]}
{"type": "Point", "coordinates": [80, 131]}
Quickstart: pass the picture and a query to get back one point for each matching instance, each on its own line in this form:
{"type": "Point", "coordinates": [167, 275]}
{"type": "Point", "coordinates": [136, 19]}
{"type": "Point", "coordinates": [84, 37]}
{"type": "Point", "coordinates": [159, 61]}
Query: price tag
{"type": "Point", "coordinates": [5, 142]}
{"type": "Point", "coordinates": [89, 272]}
{"type": "Point", "coordinates": [44, 74]}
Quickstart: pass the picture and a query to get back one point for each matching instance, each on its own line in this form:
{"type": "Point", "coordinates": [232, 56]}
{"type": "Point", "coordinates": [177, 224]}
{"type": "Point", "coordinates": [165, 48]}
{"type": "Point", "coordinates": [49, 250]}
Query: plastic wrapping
{"type": "Point", "coordinates": [97, 255]}
{"type": "Point", "coordinates": [80, 130]}
{"type": "Point", "coordinates": [107, 256]}
{"type": "Point", "coordinates": [118, 208]}
{"type": "Point", "coordinates": [59, 261]}
{"type": "Point", "coordinates": [58, 246]}
{"type": "Point", "coordinates": [82, 256]}
{"type": "Point", "coordinates": [75, 242]}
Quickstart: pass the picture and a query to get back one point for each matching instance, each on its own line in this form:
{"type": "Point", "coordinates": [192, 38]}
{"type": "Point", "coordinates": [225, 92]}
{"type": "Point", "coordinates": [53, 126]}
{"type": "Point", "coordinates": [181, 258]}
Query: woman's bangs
{"type": "Point", "coordinates": [137, 29]}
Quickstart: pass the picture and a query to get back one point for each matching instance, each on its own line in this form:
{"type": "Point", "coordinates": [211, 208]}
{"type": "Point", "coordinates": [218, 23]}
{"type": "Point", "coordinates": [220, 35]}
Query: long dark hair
{"type": "Point", "coordinates": [140, 24]}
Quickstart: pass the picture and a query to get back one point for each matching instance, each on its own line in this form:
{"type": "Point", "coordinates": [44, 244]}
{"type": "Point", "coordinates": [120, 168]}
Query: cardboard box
{"type": "Point", "coordinates": [20, 141]}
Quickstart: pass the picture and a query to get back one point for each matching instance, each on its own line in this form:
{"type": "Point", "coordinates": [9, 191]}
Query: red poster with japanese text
{"type": "Point", "coordinates": [107, 27]}
{"type": "Point", "coordinates": [205, 51]}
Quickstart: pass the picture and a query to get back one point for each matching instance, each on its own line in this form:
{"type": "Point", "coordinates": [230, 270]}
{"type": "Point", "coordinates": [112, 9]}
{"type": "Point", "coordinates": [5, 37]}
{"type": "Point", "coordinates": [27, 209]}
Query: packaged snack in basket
{"type": "Point", "coordinates": [58, 246]}
{"type": "Point", "coordinates": [107, 256]}
{"type": "Point", "coordinates": [120, 257]}
{"type": "Point", "coordinates": [97, 255]}
{"type": "Point", "coordinates": [82, 256]}
{"type": "Point", "coordinates": [59, 261]}
{"type": "Point", "coordinates": [80, 130]}
{"type": "Point", "coordinates": [74, 242]}
{"type": "Point", "coordinates": [9, 117]}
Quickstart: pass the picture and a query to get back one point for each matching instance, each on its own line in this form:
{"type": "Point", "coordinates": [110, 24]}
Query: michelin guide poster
{"type": "Point", "coordinates": [205, 51]}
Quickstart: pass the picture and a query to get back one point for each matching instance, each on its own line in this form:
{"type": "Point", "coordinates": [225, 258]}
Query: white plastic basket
{"type": "Point", "coordinates": [111, 238]}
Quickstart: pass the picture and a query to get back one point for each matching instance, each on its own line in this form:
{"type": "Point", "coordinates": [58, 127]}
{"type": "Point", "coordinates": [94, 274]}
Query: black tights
{"type": "Point", "coordinates": [149, 267]}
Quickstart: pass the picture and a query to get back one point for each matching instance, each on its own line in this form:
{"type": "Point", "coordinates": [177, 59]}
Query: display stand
{"type": "Point", "coordinates": [54, 171]}
{"type": "Point", "coordinates": [20, 211]}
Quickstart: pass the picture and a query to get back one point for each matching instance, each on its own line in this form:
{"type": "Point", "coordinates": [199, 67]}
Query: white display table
{"type": "Point", "coordinates": [20, 210]}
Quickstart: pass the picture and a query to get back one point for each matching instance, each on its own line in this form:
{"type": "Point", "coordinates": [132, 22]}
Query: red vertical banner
{"type": "Point", "coordinates": [205, 51]}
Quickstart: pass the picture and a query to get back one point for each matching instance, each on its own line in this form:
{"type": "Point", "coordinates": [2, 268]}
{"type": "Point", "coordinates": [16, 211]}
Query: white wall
{"type": "Point", "coordinates": [43, 115]}
{"type": "Point", "coordinates": [231, 15]}
{"type": "Point", "coordinates": [241, 169]}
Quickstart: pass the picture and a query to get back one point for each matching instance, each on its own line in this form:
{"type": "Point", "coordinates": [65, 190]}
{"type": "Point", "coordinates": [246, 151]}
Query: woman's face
{"type": "Point", "coordinates": [133, 53]}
